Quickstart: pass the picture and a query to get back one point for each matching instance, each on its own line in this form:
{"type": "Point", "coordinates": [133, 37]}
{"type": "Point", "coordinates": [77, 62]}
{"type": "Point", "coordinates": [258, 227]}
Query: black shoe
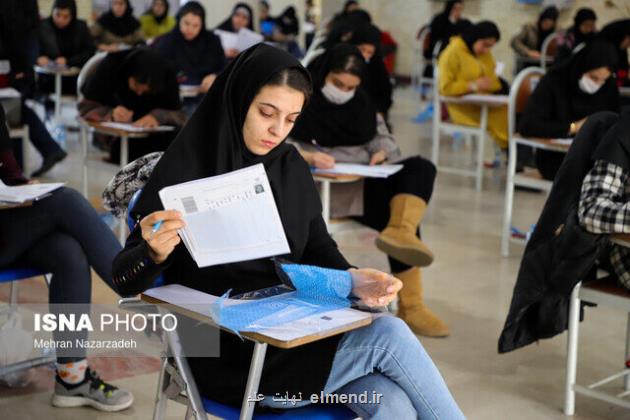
{"type": "Point", "coordinates": [49, 162]}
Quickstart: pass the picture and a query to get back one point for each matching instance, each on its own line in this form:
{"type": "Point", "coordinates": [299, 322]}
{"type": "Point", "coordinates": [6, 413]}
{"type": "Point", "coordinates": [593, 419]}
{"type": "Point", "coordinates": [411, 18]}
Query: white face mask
{"type": "Point", "coordinates": [587, 85]}
{"type": "Point", "coordinates": [336, 95]}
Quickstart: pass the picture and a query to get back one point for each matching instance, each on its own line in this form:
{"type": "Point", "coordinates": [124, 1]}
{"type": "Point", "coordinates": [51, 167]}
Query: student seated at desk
{"type": "Point", "coordinates": [527, 44]}
{"type": "Point", "coordinates": [64, 236]}
{"type": "Point", "coordinates": [156, 21]}
{"type": "Point", "coordinates": [566, 95]}
{"type": "Point", "coordinates": [467, 66]}
{"type": "Point", "coordinates": [583, 30]}
{"type": "Point", "coordinates": [244, 120]}
{"type": "Point", "coordinates": [241, 17]}
{"type": "Point", "coordinates": [138, 86]}
{"type": "Point", "coordinates": [63, 40]}
{"type": "Point", "coordinates": [618, 34]}
{"type": "Point", "coordinates": [342, 119]}
{"type": "Point", "coordinates": [195, 52]}
{"type": "Point", "coordinates": [605, 196]}
{"type": "Point", "coordinates": [117, 27]}
{"type": "Point", "coordinates": [444, 26]}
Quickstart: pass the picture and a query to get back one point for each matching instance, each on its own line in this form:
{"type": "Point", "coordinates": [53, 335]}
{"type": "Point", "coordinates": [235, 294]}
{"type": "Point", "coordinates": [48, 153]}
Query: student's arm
{"type": "Point", "coordinates": [94, 110]}
{"type": "Point", "coordinates": [489, 70]}
{"type": "Point", "coordinates": [383, 141]}
{"type": "Point", "coordinates": [539, 118]}
{"type": "Point", "coordinates": [602, 208]}
{"type": "Point", "coordinates": [86, 47]}
{"type": "Point", "coordinates": [97, 32]}
{"type": "Point", "coordinates": [451, 84]}
{"type": "Point", "coordinates": [518, 42]}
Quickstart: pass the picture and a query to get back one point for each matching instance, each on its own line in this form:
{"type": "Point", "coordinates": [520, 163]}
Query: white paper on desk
{"type": "Point", "coordinates": [8, 93]}
{"type": "Point", "coordinates": [229, 218]}
{"type": "Point", "coordinates": [22, 193]}
{"type": "Point", "coordinates": [499, 68]}
{"type": "Point", "coordinates": [486, 98]}
{"type": "Point", "coordinates": [200, 302]}
{"type": "Point", "coordinates": [564, 142]}
{"type": "Point", "coordinates": [240, 41]}
{"type": "Point", "coordinates": [370, 171]}
{"type": "Point", "coordinates": [132, 128]}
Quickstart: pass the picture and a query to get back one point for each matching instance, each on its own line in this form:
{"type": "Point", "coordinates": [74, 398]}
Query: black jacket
{"type": "Point", "coordinates": [82, 43]}
{"type": "Point", "coordinates": [560, 253]}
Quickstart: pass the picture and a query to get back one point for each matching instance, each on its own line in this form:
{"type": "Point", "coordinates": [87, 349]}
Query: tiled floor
{"type": "Point", "coordinates": [469, 285]}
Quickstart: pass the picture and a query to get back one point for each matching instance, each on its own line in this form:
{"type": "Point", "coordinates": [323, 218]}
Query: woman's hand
{"type": "Point", "coordinates": [378, 158]}
{"type": "Point", "coordinates": [207, 82]}
{"type": "Point", "coordinates": [319, 160]}
{"type": "Point", "coordinates": [61, 61]}
{"type": "Point", "coordinates": [575, 126]}
{"type": "Point", "coordinates": [483, 83]}
{"type": "Point", "coordinates": [43, 61]}
{"type": "Point", "coordinates": [164, 241]}
{"type": "Point", "coordinates": [533, 54]}
{"type": "Point", "coordinates": [148, 121]}
{"type": "Point", "coordinates": [231, 52]}
{"type": "Point", "coordinates": [122, 114]}
{"type": "Point", "coordinates": [373, 287]}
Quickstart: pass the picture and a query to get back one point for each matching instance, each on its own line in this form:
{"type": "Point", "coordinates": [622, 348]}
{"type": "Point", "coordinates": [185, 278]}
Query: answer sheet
{"type": "Point", "coordinates": [24, 193]}
{"type": "Point", "coordinates": [229, 218]}
{"type": "Point", "coordinates": [369, 171]}
{"type": "Point", "coordinates": [132, 128]}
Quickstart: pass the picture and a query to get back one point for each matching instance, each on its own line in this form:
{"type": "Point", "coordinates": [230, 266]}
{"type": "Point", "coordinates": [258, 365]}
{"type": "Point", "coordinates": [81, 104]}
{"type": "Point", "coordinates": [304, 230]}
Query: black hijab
{"type": "Point", "coordinates": [550, 13]}
{"type": "Point", "coordinates": [226, 25]}
{"type": "Point", "coordinates": [448, 8]}
{"type": "Point", "coordinates": [616, 31]}
{"type": "Point", "coordinates": [196, 58]}
{"type": "Point", "coordinates": [159, 19]}
{"type": "Point", "coordinates": [580, 17]}
{"type": "Point", "coordinates": [331, 124]}
{"type": "Point", "coordinates": [65, 36]}
{"type": "Point", "coordinates": [482, 30]}
{"type": "Point", "coordinates": [288, 21]}
{"type": "Point", "coordinates": [109, 83]}
{"type": "Point", "coordinates": [211, 143]}
{"type": "Point", "coordinates": [120, 26]}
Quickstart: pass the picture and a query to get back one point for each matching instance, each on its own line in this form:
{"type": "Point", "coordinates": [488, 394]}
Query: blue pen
{"type": "Point", "coordinates": [156, 227]}
{"type": "Point", "coordinates": [317, 146]}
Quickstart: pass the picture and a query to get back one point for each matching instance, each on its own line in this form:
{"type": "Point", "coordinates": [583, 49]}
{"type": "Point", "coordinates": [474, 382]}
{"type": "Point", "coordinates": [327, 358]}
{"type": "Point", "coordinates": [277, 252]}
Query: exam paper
{"type": "Point", "coordinates": [369, 171]}
{"type": "Point", "coordinates": [133, 128]}
{"type": "Point", "coordinates": [24, 193]}
{"type": "Point", "coordinates": [229, 218]}
{"type": "Point", "coordinates": [564, 142]}
{"type": "Point", "coordinates": [240, 41]}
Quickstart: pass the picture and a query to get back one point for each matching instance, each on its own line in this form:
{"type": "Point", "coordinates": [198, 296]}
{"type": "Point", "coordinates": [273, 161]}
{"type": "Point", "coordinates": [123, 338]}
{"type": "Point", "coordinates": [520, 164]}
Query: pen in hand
{"type": "Point", "coordinates": [156, 227]}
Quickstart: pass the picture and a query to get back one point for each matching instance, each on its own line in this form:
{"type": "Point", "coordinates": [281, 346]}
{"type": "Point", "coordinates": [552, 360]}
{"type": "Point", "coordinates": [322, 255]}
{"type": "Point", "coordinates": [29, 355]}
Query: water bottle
{"type": "Point", "coordinates": [59, 134]}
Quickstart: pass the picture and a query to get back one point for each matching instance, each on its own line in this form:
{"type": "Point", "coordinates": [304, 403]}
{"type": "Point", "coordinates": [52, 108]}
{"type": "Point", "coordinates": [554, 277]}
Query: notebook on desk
{"type": "Point", "coordinates": [24, 193]}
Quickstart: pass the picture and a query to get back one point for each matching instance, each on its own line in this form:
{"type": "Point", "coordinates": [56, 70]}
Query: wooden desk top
{"type": "Point", "coordinates": [336, 178]}
{"type": "Point", "coordinates": [100, 128]}
{"type": "Point", "coordinates": [477, 99]}
{"type": "Point", "coordinates": [257, 336]}
{"type": "Point", "coordinates": [541, 143]}
{"type": "Point", "coordinates": [54, 70]}
{"type": "Point", "coordinates": [6, 206]}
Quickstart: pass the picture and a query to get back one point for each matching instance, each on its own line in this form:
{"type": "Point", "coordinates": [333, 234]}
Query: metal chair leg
{"type": "Point", "coordinates": [572, 350]}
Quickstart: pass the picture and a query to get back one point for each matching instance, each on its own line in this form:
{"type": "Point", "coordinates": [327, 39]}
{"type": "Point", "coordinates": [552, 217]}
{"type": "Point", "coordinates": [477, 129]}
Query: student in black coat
{"type": "Point", "coordinates": [618, 34]}
{"type": "Point", "coordinates": [566, 96]}
{"type": "Point", "coordinates": [134, 86]}
{"type": "Point", "coordinates": [65, 41]}
{"type": "Point", "coordinates": [446, 25]}
{"type": "Point", "coordinates": [195, 52]}
{"type": "Point", "coordinates": [583, 30]}
{"type": "Point", "coordinates": [242, 17]}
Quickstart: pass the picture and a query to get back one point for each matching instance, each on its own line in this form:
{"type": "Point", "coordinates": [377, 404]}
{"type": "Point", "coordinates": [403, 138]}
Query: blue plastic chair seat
{"type": "Point", "coordinates": [13, 274]}
{"type": "Point", "coordinates": [311, 412]}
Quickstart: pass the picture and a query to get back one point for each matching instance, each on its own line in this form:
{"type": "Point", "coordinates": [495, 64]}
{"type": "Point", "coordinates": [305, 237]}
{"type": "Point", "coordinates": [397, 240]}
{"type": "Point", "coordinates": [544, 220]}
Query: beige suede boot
{"type": "Point", "coordinates": [413, 311]}
{"type": "Point", "coordinates": [398, 239]}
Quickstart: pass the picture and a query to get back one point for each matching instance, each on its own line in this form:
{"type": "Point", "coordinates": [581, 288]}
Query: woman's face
{"type": "Point", "coordinates": [367, 51]}
{"type": "Point", "coordinates": [456, 12]}
{"type": "Point", "coordinates": [547, 24]}
{"type": "Point", "coordinates": [61, 17]}
{"type": "Point", "coordinates": [137, 87]}
{"type": "Point", "coordinates": [119, 7]}
{"type": "Point", "coordinates": [587, 27]}
{"type": "Point", "coordinates": [190, 26]}
{"type": "Point", "coordinates": [271, 117]}
{"type": "Point", "coordinates": [343, 81]}
{"type": "Point", "coordinates": [484, 45]}
{"type": "Point", "coordinates": [599, 75]}
{"type": "Point", "coordinates": [240, 20]}
{"type": "Point", "coordinates": [158, 8]}
{"type": "Point", "coordinates": [625, 43]}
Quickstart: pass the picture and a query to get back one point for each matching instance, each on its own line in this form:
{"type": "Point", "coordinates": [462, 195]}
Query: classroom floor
{"type": "Point", "coordinates": [469, 286]}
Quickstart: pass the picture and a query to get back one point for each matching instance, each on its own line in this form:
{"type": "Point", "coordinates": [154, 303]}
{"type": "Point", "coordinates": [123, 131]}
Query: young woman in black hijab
{"type": "Point", "coordinates": [117, 27]}
{"type": "Point", "coordinates": [528, 43]}
{"type": "Point", "coordinates": [341, 124]}
{"type": "Point", "coordinates": [243, 120]}
{"type": "Point", "coordinates": [242, 17]}
{"type": "Point", "coordinates": [195, 52]}
{"type": "Point", "coordinates": [566, 96]}
{"type": "Point", "coordinates": [618, 34]}
{"type": "Point", "coordinates": [64, 40]}
{"type": "Point", "coordinates": [138, 86]}
{"type": "Point", "coordinates": [583, 30]}
{"type": "Point", "coordinates": [447, 24]}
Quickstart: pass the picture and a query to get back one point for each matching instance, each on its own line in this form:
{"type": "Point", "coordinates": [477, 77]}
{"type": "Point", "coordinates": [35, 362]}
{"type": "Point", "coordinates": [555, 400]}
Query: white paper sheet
{"type": "Point", "coordinates": [369, 171]}
{"type": "Point", "coordinates": [23, 193]}
{"type": "Point", "coordinates": [240, 41]}
{"type": "Point", "coordinates": [199, 302]}
{"type": "Point", "coordinates": [229, 218]}
{"type": "Point", "coordinates": [564, 142]}
{"type": "Point", "coordinates": [8, 93]}
{"type": "Point", "coordinates": [486, 98]}
{"type": "Point", "coordinates": [132, 128]}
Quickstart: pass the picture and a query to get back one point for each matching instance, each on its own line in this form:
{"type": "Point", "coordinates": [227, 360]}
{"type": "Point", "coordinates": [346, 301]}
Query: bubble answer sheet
{"type": "Point", "coordinates": [229, 218]}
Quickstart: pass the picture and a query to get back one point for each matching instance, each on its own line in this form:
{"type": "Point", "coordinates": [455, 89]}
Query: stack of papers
{"type": "Point", "coordinates": [25, 193]}
{"type": "Point", "coordinates": [368, 171]}
{"type": "Point", "coordinates": [132, 128]}
{"type": "Point", "coordinates": [240, 41]}
{"type": "Point", "coordinates": [229, 218]}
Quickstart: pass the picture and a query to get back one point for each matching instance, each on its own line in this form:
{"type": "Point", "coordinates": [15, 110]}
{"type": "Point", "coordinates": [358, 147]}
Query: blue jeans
{"type": "Point", "coordinates": [386, 358]}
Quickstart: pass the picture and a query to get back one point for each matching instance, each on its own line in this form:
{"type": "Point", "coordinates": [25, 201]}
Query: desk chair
{"type": "Point", "coordinates": [548, 49]}
{"type": "Point", "coordinates": [176, 382]}
{"type": "Point", "coordinates": [605, 293]}
{"type": "Point", "coordinates": [520, 91]}
{"type": "Point", "coordinates": [470, 132]}
{"type": "Point", "coordinates": [325, 182]}
{"type": "Point", "coordinates": [13, 276]}
{"type": "Point", "coordinates": [421, 43]}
